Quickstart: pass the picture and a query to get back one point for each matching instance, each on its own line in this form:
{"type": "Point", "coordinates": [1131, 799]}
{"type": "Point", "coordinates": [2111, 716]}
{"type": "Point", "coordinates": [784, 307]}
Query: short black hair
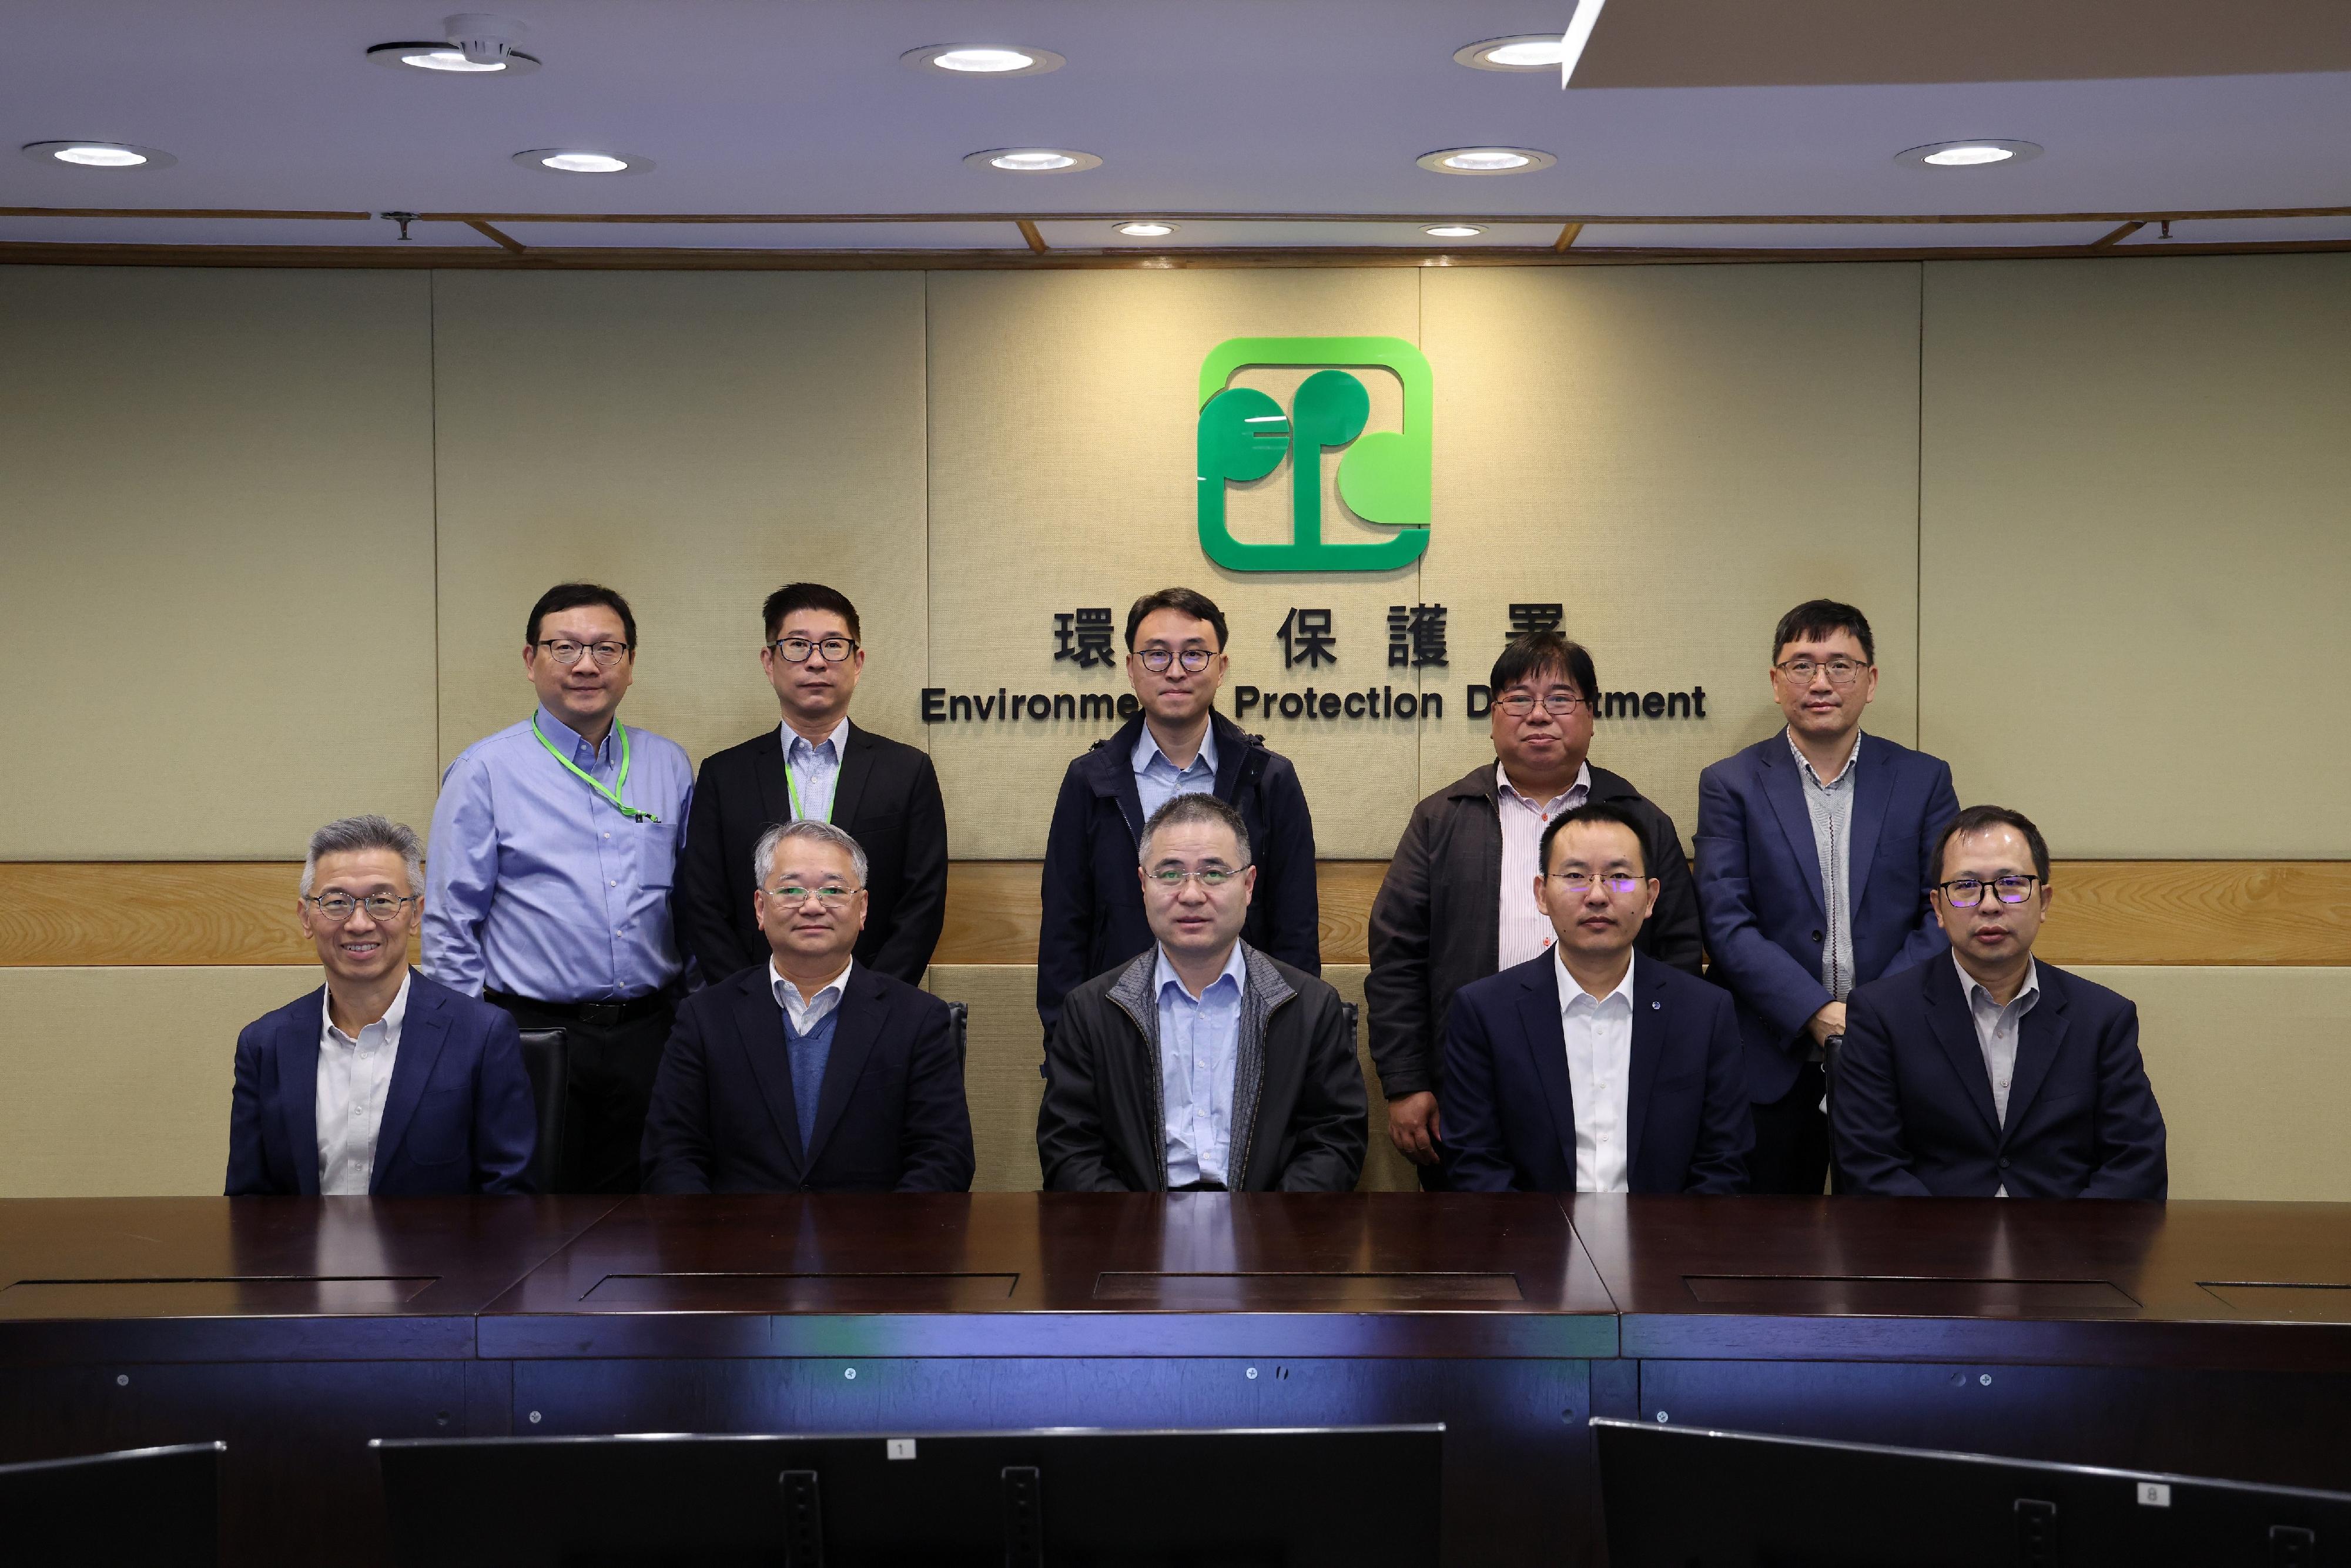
{"type": "Point", "coordinates": [1191, 601]}
{"type": "Point", "coordinates": [1593, 812]}
{"type": "Point", "coordinates": [1532, 654]}
{"type": "Point", "coordinates": [1823, 618]}
{"type": "Point", "coordinates": [575, 596]}
{"type": "Point", "coordinates": [1976, 818]}
{"type": "Point", "coordinates": [1198, 806]}
{"type": "Point", "coordinates": [808, 596]}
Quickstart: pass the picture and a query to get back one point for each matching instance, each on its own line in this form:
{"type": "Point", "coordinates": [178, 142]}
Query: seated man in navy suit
{"type": "Point", "coordinates": [810, 1072]}
{"type": "Point", "coordinates": [1988, 1074]}
{"type": "Point", "coordinates": [383, 1083]}
{"type": "Point", "coordinates": [1632, 1082]}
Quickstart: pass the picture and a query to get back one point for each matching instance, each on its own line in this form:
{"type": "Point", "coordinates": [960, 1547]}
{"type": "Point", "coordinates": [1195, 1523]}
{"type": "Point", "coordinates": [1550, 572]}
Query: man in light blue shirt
{"type": "Point", "coordinates": [554, 850]}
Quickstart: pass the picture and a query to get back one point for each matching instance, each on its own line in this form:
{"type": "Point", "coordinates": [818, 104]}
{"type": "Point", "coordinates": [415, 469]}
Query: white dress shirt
{"type": "Point", "coordinates": [808, 1011]}
{"type": "Point", "coordinates": [815, 770]}
{"type": "Point", "coordinates": [1525, 930]}
{"type": "Point", "coordinates": [1598, 1034]}
{"type": "Point", "coordinates": [1997, 1027]}
{"type": "Point", "coordinates": [354, 1079]}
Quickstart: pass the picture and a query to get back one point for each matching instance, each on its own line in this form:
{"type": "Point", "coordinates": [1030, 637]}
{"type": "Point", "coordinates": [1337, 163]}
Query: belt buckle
{"type": "Point", "coordinates": [603, 1013]}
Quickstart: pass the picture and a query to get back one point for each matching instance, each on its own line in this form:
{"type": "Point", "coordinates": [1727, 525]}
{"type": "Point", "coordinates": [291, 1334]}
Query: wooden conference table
{"type": "Point", "coordinates": [2207, 1338]}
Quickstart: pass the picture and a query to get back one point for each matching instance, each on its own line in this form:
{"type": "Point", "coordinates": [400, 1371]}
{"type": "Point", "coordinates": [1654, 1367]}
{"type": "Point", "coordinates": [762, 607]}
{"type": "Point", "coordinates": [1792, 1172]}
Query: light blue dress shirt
{"type": "Point", "coordinates": [1158, 780]}
{"type": "Point", "coordinates": [1199, 1045]}
{"type": "Point", "coordinates": [815, 769]}
{"type": "Point", "coordinates": [535, 885]}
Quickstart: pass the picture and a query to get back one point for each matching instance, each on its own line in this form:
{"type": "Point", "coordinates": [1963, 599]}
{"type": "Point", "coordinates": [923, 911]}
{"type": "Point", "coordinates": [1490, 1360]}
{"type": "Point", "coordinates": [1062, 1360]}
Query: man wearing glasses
{"type": "Point", "coordinates": [812, 1072]}
{"type": "Point", "coordinates": [815, 766]}
{"type": "Point", "coordinates": [1203, 1064]}
{"type": "Point", "coordinates": [383, 1083]}
{"type": "Point", "coordinates": [1584, 1070]}
{"type": "Point", "coordinates": [554, 853]}
{"type": "Point", "coordinates": [1812, 865]}
{"type": "Point", "coordinates": [1177, 744]}
{"type": "Point", "coordinates": [1987, 1073]}
{"type": "Point", "coordinates": [1457, 902]}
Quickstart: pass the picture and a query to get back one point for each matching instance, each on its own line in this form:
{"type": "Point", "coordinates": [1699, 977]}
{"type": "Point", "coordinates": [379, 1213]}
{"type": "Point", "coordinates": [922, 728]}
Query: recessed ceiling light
{"type": "Point", "coordinates": [983, 59]}
{"type": "Point", "coordinates": [1033, 160]}
{"type": "Point", "coordinates": [1144, 228]}
{"type": "Point", "coordinates": [1525, 52]}
{"type": "Point", "coordinates": [1453, 231]}
{"type": "Point", "coordinates": [1981, 153]}
{"type": "Point", "coordinates": [444, 57]}
{"type": "Point", "coordinates": [99, 154]}
{"type": "Point", "coordinates": [581, 161]}
{"type": "Point", "coordinates": [1486, 160]}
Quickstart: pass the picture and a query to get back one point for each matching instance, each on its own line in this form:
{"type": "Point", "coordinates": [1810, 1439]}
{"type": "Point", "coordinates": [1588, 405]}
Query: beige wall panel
{"type": "Point", "coordinates": [693, 441]}
{"type": "Point", "coordinates": [218, 595]}
{"type": "Point", "coordinates": [2146, 466]}
{"type": "Point", "coordinates": [1677, 454]}
{"type": "Point", "coordinates": [1003, 1088]}
{"type": "Point", "coordinates": [1063, 407]}
{"type": "Point", "coordinates": [119, 1080]}
{"type": "Point", "coordinates": [2252, 1069]}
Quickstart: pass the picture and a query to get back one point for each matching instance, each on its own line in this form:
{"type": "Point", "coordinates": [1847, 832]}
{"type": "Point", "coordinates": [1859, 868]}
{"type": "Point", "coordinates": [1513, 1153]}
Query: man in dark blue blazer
{"type": "Point", "coordinates": [1813, 868]}
{"type": "Point", "coordinates": [1986, 1074]}
{"type": "Point", "coordinates": [1633, 1084]}
{"type": "Point", "coordinates": [383, 1082]}
{"type": "Point", "coordinates": [810, 1072]}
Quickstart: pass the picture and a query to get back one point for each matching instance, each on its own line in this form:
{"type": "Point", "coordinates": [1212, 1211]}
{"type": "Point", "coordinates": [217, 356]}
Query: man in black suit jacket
{"type": "Point", "coordinates": [1634, 1083]}
{"type": "Point", "coordinates": [1987, 1075]}
{"type": "Point", "coordinates": [883, 794]}
{"type": "Point", "coordinates": [810, 1072]}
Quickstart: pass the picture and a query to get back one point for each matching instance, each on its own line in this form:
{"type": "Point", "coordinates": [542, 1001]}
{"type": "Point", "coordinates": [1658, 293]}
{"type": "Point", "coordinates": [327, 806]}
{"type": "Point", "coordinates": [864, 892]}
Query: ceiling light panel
{"type": "Point", "coordinates": [1977, 152]}
{"type": "Point", "coordinates": [114, 155]}
{"type": "Point", "coordinates": [582, 160]}
{"type": "Point", "coordinates": [1523, 52]}
{"type": "Point", "coordinates": [1485, 161]}
{"type": "Point", "coordinates": [983, 60]}
{"type": "Point", "coordinates": [1033, 160]}
{"type": "Point", "coordinates": [444, 58]}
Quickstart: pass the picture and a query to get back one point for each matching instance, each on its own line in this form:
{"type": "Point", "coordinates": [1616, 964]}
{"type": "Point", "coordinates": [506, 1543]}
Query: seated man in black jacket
{"type": "Point", "coordinates": [1202, 1065]}
{"type": "Point", "coordinates": [810, 1072]}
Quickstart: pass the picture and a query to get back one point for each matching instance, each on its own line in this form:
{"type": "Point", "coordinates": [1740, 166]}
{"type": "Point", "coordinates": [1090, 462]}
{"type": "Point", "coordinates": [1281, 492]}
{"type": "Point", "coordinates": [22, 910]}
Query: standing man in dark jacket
{"type": "Point", "coordinates": [816, 766]}
{"type": "Point", "coordinates": [1201, 1065]}
{"type": "Point", "coordinates": [1458, 904]}
{"type": "Point", "coordinates": [1177, 744]}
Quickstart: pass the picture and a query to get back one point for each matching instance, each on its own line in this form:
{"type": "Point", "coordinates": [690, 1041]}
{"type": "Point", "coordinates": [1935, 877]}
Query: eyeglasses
{"type": "Point", "coordinates": [1966, 891]}
{"type": "Point", "coordinates": [1157, 660]}
{"type": "Point", "coordinates": [1842, 671]}
{"type": "Point", "coordinates": [796, 650]}
{"type": "Point", "coordinates": [567, 653]}
{"type": "Point", "coordinates": [1578, 883]}
{"type": "Point", "coordinates": [1559, 705]}
{"type": "Point", "coordinates": [832, 894]}
{"type": "Point", "coordinates": [1211, 879]}
{"type": "Point", "coordinates": [338, 906]}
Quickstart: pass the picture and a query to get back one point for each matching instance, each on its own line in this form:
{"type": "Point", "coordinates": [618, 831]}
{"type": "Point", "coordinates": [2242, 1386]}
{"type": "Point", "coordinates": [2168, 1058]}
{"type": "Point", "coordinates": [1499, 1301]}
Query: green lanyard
{"type": "Point", "coordinates": [619, 783]}
{"type": "Point", "coordinates": [792, 789]}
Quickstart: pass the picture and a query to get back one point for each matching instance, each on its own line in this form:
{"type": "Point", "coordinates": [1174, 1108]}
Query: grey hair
{"type": "Point", "coordinates": [763, 856]}
{"type": "Point", "coordinates": [346, 835]}
{"type": "Point", "coordinates": [1199, 807]}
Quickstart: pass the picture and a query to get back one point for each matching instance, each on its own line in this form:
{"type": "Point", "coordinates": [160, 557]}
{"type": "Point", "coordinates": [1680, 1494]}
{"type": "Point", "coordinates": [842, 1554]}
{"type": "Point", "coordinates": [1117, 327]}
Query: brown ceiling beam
{"type": "Point", "coordinates": [302, 213]}
{"type": "Point", "coordinates": [1567, 234]}
{"type": "Point", "coordinates": [2118, 236]}
{"type": "Point", "coordinates": [1035, 241]}
{"type": "Point", "coordinates": [490, 232]}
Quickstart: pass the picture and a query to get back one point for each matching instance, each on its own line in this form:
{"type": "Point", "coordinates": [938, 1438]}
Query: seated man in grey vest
{"type": "Point", "coordinates": [810, 1072]}
{"type": "Point", "coordinates": [1203, 1064]}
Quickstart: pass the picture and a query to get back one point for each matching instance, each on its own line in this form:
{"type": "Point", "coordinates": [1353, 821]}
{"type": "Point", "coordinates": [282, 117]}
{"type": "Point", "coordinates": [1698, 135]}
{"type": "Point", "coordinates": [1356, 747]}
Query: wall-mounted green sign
{"type": "Point", "coordinates": [1244, 434]}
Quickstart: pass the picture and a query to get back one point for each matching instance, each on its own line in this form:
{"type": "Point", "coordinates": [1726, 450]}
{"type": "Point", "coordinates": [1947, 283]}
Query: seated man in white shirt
{"type": "Point", "coordinates": [810, 1072]}
{"type": "Point", "coordinates": [1589, 1068]}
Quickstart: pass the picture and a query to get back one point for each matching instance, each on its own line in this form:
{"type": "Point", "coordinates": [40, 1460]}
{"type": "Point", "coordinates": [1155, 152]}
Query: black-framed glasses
{"type": "Point", "coordinates": [1157, 660]}
{"type": "Point", "coordinates": [338, 906]}
{"type": "Point", "coordinates": [1966, 891]}
{"type": "Point", "coordinates": [1578, 882]}
{"type": "Point", "coordinates": [1172, 878]}
{"type": "Point", "coordinates": [796, 650]}
{"type": "Point", "coordinates": [1559, 705]}
{"type": "Point", "coordinates": [832, 894]}
{"type": "Point", "coordinates": [1842, 671]}
{"type": "Point", "coordinates": [565, 651]}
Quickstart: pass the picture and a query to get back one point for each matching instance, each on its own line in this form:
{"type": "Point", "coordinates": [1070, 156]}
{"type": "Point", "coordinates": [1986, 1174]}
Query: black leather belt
{"type": "Point", "coordinates": [627, 1010]}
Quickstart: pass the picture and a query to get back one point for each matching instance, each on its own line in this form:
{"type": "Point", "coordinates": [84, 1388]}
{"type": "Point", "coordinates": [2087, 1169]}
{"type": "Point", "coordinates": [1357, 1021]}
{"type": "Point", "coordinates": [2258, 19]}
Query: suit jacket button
{"type": "Point", "coordinates": [1657, 1007]}
{"type": "Point", "coordinates": [1816, 936]}
{"type": "Point", "coordinates": [2004, 1164]}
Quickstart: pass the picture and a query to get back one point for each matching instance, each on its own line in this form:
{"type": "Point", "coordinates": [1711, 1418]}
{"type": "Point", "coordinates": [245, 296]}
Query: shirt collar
{"type": "Point", "coordinates": [777, 984]}
{"type": "Point", "coordinates": [1502, 785]}
{"type": "Point", "coordinates": [1147, 748]}
{"type": "Point", "coordinates": [571, 743]}
{"type": "Point", "coordinates": [1969, 986]}
{"type": "Point", "coordinates": [393, 1016]}
{"type": "Point", "coordinates": [1164, 975]}
{"type": "Point", "coordinates": [1570, 989]}
{"type": "Point", "coordinates": [794, 740]}
{"type": "Point", "coordinates": [1805, 763]}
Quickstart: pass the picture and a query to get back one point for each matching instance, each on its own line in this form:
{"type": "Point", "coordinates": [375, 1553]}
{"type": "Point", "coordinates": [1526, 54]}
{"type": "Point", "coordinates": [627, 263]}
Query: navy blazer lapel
{"type": "Point", "coordinates": [298, 1090]}
{"type": "Point", "coordinates": [1113, 767]}
{"type": "Point", "coordinates": [422, 1031]}
{"type": "Point", "coordinates": [1546, 1040]}
{"type": "Point", "coordinates": [760, 1035]}
{"type": "Point", "coordinates": [859, 1011]}
{"type": "Point", "coordinates": [1650, 1018]}
{"type": "Point", "coordinates": [2039, 1037]}
{"type": "Point", "coordinates": [1954, 1030]}
{"type": "Point", "coordinates": [856, 772]}
{"type": "Point", "coordinates": [775, 788]}
{"type": "Point", "coordinates": [1784, 786]}
{"type": "Point", "coordinates": [1873, 792]}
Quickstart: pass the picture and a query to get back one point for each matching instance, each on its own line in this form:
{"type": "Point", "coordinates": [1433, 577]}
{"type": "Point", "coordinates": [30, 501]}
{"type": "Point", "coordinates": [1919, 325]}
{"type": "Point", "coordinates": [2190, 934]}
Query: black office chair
{"type": "Point", "coordinates": [961, 1013]}
{"type": "Point", "coordinates": [159, 1507]}
{"type": "Point", "coordinates": [1353, 1014]}
{"type": "Point", "coordinates": [546, 1057]}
